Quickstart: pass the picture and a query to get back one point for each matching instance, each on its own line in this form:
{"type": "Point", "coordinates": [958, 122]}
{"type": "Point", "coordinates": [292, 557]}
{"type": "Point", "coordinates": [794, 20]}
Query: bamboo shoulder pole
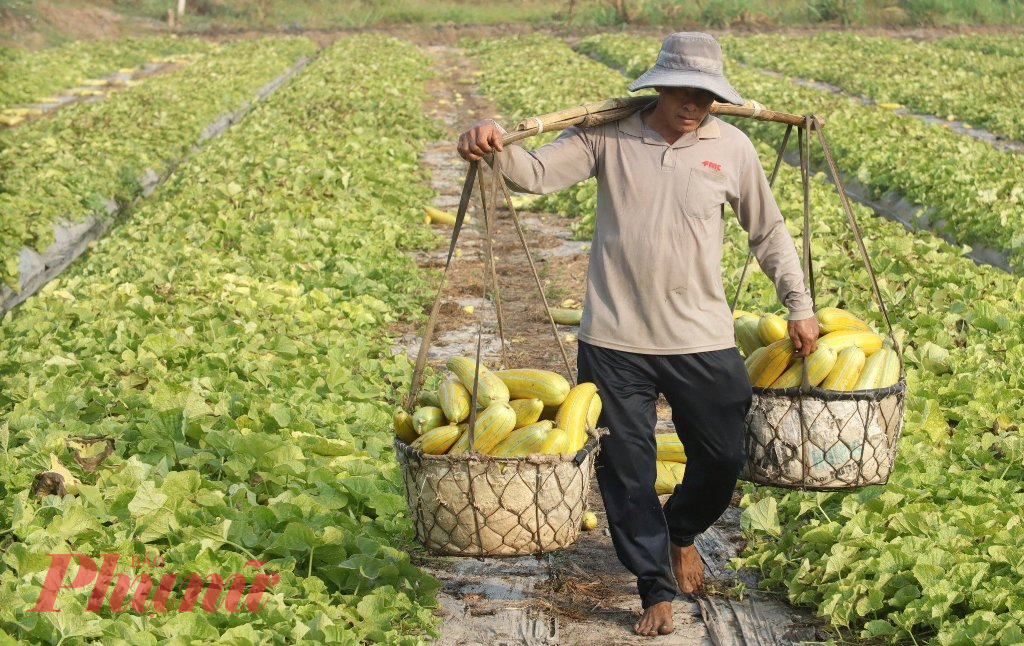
{"type": "Point", "coordinates": [601, 112]}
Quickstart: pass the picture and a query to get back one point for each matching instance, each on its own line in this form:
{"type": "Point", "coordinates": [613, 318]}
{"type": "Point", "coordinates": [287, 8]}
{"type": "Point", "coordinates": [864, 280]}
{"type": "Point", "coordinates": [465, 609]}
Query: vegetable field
{"type": "Point", "coordinates": [231, 337]}
{"type": "Point", "coordinates": [235, 331]}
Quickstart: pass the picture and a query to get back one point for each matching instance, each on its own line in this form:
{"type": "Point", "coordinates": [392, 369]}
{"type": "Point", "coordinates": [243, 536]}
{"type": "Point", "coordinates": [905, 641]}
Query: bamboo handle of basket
{"type": "Point", "coordinates": [601, 112]}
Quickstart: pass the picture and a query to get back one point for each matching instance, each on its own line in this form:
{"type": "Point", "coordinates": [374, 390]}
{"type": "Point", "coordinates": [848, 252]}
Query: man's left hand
{"type": "Point", "coordinates": [804, 334]}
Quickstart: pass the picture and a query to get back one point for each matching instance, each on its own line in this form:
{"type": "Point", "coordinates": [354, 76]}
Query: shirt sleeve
{"type": "Point", "coordinates": [567, 160]}
{"type": "Point", "coordinates": [760, 217]}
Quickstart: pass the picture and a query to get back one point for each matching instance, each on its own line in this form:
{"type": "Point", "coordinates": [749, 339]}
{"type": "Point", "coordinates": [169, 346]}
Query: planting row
{"type": "Point", "coordinates": [934, 553]}
{"type": "Point", "coordinates": [970, 191]}
{"type": "Point", "coordinates": [966, 84]}
{"type": "Point", "coordinates": [1011, 46]}
{"type": "Point", "coordinates": [31, 77]}
{"type": "Point", "coordinates": [232, 338]}
{"type": "Point", "coordinates": [67, 167]}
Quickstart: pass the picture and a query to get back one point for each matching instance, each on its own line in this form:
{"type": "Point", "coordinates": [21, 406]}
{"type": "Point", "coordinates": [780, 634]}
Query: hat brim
{"type": "Point", "coordinates": [664, 77]}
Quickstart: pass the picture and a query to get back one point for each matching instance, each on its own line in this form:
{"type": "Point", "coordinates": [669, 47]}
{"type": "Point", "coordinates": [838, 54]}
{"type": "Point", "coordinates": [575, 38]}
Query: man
{"type": "Point", "coordinates": [655, 318]}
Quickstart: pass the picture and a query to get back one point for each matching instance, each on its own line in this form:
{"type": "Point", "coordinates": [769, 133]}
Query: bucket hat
{"type": "Point", "coordinates": [689, 59]}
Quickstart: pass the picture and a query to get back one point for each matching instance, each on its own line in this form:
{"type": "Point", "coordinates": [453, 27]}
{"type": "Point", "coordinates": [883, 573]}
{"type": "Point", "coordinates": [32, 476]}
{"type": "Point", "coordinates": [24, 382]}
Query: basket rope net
{"type": "Point", "coordinates": [478, 505]}
{"type": "Point", "coordinates": [825, 441]}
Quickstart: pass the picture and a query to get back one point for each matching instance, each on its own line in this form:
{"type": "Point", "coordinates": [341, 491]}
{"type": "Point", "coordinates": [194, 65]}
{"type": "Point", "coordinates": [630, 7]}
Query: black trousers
{"type": "Point", "coordinates": [709, 393]}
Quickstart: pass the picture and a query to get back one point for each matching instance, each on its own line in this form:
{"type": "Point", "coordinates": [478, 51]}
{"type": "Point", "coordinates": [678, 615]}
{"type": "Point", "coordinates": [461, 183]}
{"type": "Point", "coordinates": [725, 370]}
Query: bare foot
{"type": "Point", "coordinates": [657, 620]}
{"type": "Point", "coordinates": [688, 568]}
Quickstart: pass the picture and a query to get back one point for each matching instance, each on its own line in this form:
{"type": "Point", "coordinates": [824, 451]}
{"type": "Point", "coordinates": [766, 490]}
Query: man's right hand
{"type": "Point", "coordinates": [482, 138]}
{"type": "Point", "coordinates": [804, 333]}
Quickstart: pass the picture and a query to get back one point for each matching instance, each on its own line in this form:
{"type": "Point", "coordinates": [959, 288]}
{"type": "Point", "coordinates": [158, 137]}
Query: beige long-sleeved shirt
{"type": "Point", "coordinates": [654, 285]}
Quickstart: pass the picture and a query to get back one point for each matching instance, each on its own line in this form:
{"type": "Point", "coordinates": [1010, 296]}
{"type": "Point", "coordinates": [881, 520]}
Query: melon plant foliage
{"type": "Point", "coordinates": [232, 338]}
{"type": "Point", "coordinates": [86, 157]}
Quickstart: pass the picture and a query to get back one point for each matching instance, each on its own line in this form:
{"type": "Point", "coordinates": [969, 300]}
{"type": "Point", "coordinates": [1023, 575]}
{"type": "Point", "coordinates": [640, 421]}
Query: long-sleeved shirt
{"type": "Point", "coordinates": [654, 284]}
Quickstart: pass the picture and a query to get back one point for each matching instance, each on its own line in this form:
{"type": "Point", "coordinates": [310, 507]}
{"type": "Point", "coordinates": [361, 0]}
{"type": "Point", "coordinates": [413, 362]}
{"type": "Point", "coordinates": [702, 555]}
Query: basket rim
{"type": "Point", "coordinates": [874, 394]}
{"type": "Point", "coordinates": [800, 486]}
{"type": "Point", "coordinates": [592, 446]}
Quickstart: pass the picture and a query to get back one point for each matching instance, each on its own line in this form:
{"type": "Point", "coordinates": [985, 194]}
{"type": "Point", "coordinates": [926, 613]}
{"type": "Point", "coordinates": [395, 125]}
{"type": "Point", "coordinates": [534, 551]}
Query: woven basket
{"type": "Point", "coordinates": [823, 440]}
{"type": "Point", "coordinates": [479, 505]}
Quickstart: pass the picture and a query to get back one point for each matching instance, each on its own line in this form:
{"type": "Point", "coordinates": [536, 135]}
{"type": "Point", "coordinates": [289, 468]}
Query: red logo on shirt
{"type": "Point", "coordinates": [712, 165]}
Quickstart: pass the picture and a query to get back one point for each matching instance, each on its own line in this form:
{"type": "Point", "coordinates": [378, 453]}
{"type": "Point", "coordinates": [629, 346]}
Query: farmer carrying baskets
{"type": "Point", "coordinates": [656, 320]}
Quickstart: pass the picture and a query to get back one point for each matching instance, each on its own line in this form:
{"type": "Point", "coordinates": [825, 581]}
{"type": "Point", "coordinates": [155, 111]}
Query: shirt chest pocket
{"type": "Point", "coordinates": [705, 194]}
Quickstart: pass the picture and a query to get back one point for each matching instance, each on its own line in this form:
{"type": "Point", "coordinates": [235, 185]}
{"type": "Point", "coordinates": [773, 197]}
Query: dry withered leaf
{"type": "Point", "coordinates": [91, 450]}
{"type": "Point", "coordinates": [48, 483]}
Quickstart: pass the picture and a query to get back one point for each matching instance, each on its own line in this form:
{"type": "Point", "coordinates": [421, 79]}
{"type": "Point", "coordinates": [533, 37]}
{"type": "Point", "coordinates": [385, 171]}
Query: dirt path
{"type": "Point", "coordinates": [580, 595]}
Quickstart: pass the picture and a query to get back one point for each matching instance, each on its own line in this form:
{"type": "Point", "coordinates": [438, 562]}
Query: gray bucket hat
{"type": "Point", "coordinates": [689, 59]}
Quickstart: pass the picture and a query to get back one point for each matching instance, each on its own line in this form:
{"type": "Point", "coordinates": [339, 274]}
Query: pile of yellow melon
{"type": "Point", "coordinates": [519, 412]}
{"type": "Point", "coordinates": [849, 356]}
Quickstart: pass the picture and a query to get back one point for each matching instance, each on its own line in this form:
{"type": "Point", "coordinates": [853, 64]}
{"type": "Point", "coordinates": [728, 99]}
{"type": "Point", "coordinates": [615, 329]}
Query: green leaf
{"type": "Point", "coordinates": [281, 414]}
{"type": "Point", "coordinates": [378, 607]}
{"type": "Point", "coordinates": [762, 516]}
{"type": "Point", "coordinates": [168, 424]}
{"type": "Point", "coordinates": [878, 628]}
{"type": "Point", "coordinates": [147, 500]}
{"type": "Point", "coordinates": [297, 537]}
{"type": "Point", "coordinates": [905, 595]}
{"type": "Point", "coordinates": [161, 344]}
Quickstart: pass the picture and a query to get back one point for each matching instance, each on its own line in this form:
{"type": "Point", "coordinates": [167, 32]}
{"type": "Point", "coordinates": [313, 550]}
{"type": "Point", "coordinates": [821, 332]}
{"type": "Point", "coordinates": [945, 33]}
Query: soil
{"type": "Point", "coordinates": [582, 594]}
{"type": "Point", "coordinates": [49, 23]}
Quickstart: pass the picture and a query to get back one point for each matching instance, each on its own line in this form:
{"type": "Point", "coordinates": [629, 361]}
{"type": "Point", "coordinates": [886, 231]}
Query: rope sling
{"type": "Point", "coordinates": [474, 504]}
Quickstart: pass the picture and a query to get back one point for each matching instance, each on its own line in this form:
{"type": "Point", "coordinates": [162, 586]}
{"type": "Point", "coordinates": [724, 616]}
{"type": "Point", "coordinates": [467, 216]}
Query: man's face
{"type": "Point", "coordinates": [683, 108]}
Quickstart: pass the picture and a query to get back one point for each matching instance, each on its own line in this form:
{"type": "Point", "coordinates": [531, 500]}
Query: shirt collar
{"type": "Point", "coordinates": [634, 126]}
{"type": "Point", "coordinates": [709, 128]}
